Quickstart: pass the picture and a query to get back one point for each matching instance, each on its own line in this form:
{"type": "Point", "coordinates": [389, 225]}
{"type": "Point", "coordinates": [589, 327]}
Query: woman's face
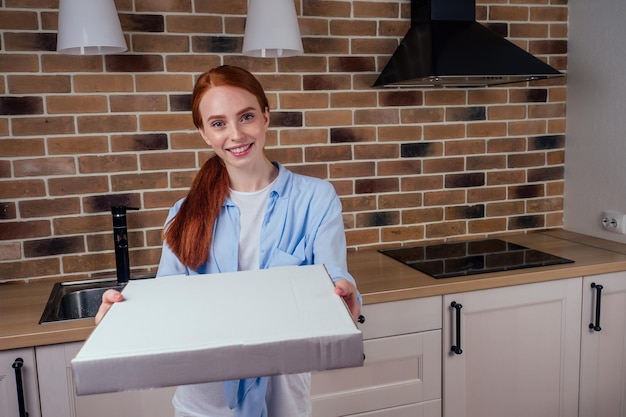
{"type": "Point", "coordinates": [234, 125]}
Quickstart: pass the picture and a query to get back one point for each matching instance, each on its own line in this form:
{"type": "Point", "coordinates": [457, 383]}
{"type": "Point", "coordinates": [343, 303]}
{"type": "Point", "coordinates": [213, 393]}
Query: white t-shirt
{"type": "Point", "coordinates": [252, 206]}
{"type": "Point", "coordinates": [287, 395]}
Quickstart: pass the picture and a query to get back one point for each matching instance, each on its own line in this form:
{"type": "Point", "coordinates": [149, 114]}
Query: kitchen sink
{"type": "Point", "coordinates": [73, 300]}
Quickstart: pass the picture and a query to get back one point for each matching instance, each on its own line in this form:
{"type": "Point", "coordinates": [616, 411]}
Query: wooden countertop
{"type": "Point", "coordinates": [379, 278]}
{"type": "Point", "coordinates": [382, 279]}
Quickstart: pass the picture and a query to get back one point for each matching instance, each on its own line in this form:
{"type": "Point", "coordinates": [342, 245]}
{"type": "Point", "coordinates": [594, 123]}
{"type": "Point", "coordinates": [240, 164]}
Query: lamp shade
{"type": "Point", "coordinates": [89, 27]}
{"type": "Point", "coordinates": [272, 29]}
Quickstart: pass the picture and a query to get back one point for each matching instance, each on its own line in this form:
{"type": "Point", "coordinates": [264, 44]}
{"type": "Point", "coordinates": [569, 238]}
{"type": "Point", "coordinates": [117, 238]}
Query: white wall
{"type": "Point", "coordinates": [595, 145]}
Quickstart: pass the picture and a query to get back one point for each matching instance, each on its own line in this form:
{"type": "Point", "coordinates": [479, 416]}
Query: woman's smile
{"type": "Point", "coordinates": [240, 150]}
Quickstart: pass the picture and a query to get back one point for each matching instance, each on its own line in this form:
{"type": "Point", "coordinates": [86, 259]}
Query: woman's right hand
{"type": "Point", "coordinates": [108, 299]}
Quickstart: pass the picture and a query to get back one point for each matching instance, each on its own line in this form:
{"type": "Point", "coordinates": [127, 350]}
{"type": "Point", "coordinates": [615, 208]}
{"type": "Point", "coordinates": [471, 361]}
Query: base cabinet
{"type": "Point", "coordinates": [519, 351]}
{"type": "Point", "coordinates": [603, 351]}
{"type": "Point", "coordinates": [401, 376]}
{"type": "Point", "coordinates": [58, 398]}
{"type": "Point", "coordinates": [28, 400]}
{"type": "Point", "coordinates": [523, 351]}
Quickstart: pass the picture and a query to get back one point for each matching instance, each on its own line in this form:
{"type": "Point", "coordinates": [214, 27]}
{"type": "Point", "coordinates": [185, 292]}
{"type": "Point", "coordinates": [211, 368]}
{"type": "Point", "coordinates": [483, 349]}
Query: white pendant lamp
{"type": "Point", "coordinates": [272, 29]}
{"type": "Point", "coordinates": [89, 27]}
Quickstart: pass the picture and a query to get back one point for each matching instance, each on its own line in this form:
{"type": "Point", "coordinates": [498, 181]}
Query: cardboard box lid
{"type": "Point", "coordinates": [193, 329]}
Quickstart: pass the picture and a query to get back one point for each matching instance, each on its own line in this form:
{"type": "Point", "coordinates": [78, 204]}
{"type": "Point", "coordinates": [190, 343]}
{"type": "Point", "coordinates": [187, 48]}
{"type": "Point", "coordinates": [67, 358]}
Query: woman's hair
{"type": "Point", "coordinates": [189, 233]}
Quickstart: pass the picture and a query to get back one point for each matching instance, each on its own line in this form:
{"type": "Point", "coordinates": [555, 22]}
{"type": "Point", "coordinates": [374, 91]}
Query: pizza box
{"type": "Point", "coordinates": [180, 330]}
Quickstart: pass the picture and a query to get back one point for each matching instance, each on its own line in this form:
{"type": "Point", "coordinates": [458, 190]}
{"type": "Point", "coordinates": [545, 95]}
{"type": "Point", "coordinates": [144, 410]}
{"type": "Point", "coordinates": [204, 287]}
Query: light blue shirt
{"type": "Point", "coordinates": [302, 225]}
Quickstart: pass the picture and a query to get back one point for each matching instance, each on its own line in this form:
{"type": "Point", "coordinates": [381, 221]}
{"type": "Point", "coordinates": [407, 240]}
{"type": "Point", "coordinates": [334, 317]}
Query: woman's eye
{"type": "Point", "coordinates": [217, 124]}
{"type": "Point", "coordinates": [247, 116]}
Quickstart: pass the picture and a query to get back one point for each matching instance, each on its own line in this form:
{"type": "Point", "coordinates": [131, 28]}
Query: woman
{"type": "Point", "coordinates": [244, 212]}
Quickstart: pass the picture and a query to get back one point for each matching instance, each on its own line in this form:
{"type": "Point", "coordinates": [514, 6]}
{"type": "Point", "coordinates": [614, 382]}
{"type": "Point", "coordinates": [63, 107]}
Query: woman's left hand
{"type": "Point", "coordinates": [346, 290]}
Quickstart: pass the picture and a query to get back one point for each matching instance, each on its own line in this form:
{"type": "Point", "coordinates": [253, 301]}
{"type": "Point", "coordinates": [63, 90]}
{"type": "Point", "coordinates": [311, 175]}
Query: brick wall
{"type": "Point", "coordinates": [79, 134]}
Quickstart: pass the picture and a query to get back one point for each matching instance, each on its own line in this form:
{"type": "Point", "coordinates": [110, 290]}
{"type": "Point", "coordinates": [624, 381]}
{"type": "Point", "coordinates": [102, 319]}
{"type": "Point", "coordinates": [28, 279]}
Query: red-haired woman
{"type": "Point", "coordinates": [244, 212]}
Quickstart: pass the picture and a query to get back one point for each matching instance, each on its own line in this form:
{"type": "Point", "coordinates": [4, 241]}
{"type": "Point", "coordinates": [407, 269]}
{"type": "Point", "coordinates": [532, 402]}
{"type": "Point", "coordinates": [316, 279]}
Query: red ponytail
{"type": "Point", "coordinates": [190, 232]}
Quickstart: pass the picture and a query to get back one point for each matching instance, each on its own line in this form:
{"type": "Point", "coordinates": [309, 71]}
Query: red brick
{"type": "Point", "coordinates": [353, 170]}
{"type": "Point", "coordinates": [106, 124]}
{"type": "Point", "coordinates": [163, 199]}
{"type": "Point", "coordinates": [21, 20]}
{"type": "Point", "coordinates": [378, 117]}
{"type": "Point", "coordinates": [139, 181]}
{"type": "Point", "coordinates": [77, 145]}
{"type": "Point", "coordinates": [173, 160]}
{"type": "Point", "coordinates": [44, 167]}
{"type": "Point", "coordinates": [164, 122]}
{"type": "Point", "coordinates": [49, 207]}
{"type": "Point", "coordinates": [24, 229]}
{"type": "Point", "coordinates": [376, 151]}
{"type": "Point", "coordinates": [359, 203]}
{"type": "Point", "coordinates": [102, 83]}
{"type": "Point", "coordinates": [22, 188]}
{"type": "Point", "coordinates": [18, 63]}
{"type": "Point", "coordinates": [422, 215]}
{"type": "Point", "coordinates": [303, 136]}
{"type": "Point", "coordinates": [62, 63]}
{"type": "Point", "coordinates": [402, 234]}
{"type": "Point", "coordinates": [30, 268]}
{"type": "Point", "coordinates": [445, 229]}
{"type": "Point", "coordinates": [39, 84]}
{"type": "Point", "coordinates": [443, 165]}
{"type": "Point", "coordinates": [78, 185]}
{"type": "Point", "coordinates": [22, 147]}
{"type": "Point", "coordinates": [10, 251]}
{"type": "Point", "coordinates": [422, 182]}
{"type": "Point", "coordinates": [506, 177]}
{"type": "Point", "coordinates": [401, 167]}
{"type": "Point", "coordinates": [486, 225]}
{"type": "Point", "coordinates": [40, 126]}
{"type": "Point", "coordinates": [440, 198]}
{"type": "Point", "coordinates": [107, 163]}
{"type": "Point", "coordinates": [326, 118]}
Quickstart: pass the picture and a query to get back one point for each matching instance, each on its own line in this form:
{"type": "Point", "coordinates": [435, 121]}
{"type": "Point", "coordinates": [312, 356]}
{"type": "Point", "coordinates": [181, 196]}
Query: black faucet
{"type": "Point", "coordinates": [120, 238]}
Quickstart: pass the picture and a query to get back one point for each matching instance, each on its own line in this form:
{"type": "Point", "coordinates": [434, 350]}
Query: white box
{"type": "Point", "coordinates": [193, 329]}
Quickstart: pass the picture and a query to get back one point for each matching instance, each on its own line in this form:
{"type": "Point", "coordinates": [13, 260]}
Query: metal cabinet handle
{"type": "Point", "coordinates": [598, 288]}
{"type": "Point", "coordinates": [17, 366]}
{"type": "Point", "coordinates": [457, 348]}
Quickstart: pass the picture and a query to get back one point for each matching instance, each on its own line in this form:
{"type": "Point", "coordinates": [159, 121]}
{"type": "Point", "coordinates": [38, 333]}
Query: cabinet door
{"type": "Point", "coordinates": [58, 398]}
{"type": "Point", "coordinates": [603, 353]}
{"type": "Point", "coordinates": [401, 376]}
{"type": "Point", "coordinates": [8, 384]}
{"type": "Point", "coordinates": [520, 351]}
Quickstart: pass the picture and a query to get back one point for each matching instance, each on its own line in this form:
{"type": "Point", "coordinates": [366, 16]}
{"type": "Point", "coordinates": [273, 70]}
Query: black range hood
{"type": "Point", "coordinates": [445, 46]}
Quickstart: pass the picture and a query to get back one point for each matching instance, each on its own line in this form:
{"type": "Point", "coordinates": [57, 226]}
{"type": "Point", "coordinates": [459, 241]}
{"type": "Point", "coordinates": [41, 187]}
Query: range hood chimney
{"type": "Point", "coordinates": [446, 47]}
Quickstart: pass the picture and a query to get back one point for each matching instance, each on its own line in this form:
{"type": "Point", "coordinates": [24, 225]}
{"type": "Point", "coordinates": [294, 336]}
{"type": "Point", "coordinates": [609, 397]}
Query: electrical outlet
{"type": "Point", "coordinates": [613, 221]}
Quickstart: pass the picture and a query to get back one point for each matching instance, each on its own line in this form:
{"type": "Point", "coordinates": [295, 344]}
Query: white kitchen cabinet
{"type": "Point", "coordinates": [603, 352]}
{"type": "Point", "coordinates": [58, 398]}
{"type": "Point", "coordinates": [8, 383]}
{"type": "Point", "coordinates": [401, 376]}
{"type": "Point", "coordinates": [520, 349]}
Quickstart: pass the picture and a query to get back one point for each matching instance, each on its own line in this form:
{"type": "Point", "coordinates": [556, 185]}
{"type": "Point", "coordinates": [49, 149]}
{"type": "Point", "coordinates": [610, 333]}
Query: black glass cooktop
{"type": "Point", "coordinates": [446, 260]}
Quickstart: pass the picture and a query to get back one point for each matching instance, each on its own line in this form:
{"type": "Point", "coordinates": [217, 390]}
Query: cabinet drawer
{"type": "Point", "coordinates": [399, 370]}
{"type": "Point", "coordinates": [401, 317]}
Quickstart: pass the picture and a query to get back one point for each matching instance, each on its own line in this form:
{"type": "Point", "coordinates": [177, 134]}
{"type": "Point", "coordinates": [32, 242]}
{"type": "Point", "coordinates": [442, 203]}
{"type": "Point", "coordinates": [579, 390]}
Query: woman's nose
{"type": "Point", "coordinates": [236, 132]}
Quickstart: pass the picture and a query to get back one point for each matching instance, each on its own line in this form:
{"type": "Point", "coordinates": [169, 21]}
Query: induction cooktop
{"type": "Point", "coordinates": [453, 259]}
